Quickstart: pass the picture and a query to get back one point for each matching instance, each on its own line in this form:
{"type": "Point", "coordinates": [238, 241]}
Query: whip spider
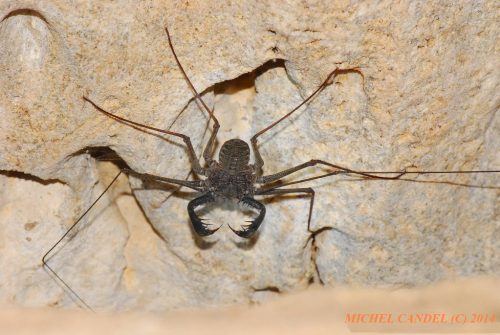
{"type": "Point", "coordinates": [232, 177]}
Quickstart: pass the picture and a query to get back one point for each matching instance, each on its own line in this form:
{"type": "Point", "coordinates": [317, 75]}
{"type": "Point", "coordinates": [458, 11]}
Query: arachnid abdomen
{"type": "Point", "coordinates": [234, 155]}
{"type": "Point", "coordinates": [232, 177]}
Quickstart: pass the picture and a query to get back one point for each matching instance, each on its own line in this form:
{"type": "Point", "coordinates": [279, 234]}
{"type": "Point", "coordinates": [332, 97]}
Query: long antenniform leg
{"type": "Point", "coordinates": [363, 173]}
{"type": "Point", "coordinates": [313, 162]}
{"type": "Point", "coordinates": [195, 184]}
{"type": "Point", "coordinates": [259, 162]}
{"type": "Point", "coordinates": [46, 257]}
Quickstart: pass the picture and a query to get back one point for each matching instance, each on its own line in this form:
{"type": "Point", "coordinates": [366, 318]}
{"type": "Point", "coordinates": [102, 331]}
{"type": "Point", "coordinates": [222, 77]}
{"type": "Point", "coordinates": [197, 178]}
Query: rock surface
{"type": "Point", "coordinates": [418, 88]}
{"type": "Point", "coordinates": [453, 307]}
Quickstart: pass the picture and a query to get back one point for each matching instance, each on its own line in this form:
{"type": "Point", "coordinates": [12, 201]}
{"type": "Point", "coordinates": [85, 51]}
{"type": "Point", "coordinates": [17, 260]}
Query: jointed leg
{"type": "Point", "coordinates": [193, 184]}
{"type": "Point", "coordinates": [274, 177]}
{"type": "Point", "coordinates": [192, 154]}
{"type": "Point", "coordinates": [259, 162]}
{"type": "Point", "coordinates": [207, 153]}
{"type": "Point", "coordinates": [209, 149]}
{"type": "Point", "coordinates": [306, 190]}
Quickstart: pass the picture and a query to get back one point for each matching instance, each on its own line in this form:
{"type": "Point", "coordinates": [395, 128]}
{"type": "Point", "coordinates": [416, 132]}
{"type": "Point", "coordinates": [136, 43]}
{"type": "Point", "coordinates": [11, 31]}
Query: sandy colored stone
{"type": "Point", "coordinates": [456, 307]}
{"type": "Point", "coordinates": [419, 88]}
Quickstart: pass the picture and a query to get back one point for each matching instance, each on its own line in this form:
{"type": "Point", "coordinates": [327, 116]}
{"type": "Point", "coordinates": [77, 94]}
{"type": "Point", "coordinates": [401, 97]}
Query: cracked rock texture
{"type": "Point", "coordinates": [418, 89]}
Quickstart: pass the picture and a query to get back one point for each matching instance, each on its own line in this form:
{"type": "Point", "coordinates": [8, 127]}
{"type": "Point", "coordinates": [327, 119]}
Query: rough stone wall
{"type": "Point", "coordinates": [419, 87]}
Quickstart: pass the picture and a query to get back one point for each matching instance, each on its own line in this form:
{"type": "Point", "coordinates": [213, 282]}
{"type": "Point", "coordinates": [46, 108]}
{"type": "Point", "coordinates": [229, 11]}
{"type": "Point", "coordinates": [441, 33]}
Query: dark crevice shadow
{"type": "Point", "coordinates": [274, 289]}
{"type": "Point", "coordinates": [102, 154]}
{"type": "Point", "coordinates": [30, 177]}
{"type": "Point", "coordinates": [26, 12]}
{"type": "Point", "coordinates": [315, 252]}
{"type": "Point", "coordinates": [246, 80]}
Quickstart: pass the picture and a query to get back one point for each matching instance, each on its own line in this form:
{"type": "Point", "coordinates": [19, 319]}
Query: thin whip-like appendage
{"type": "Point", "coordinates": [420, 172]}
{"type": "Point", "coordinates": [196, 94]}
{"type": "Point", "coordinates": [207, 153]}
{"type": "Point", "coordinates": [44, 258]}
{"type": "Point", "coordinates": [381, 172]}
{"type": "Point", "coordinates": [47, 267]}
{"type": "Point", "coordinates": [432, 172]}
{"type": "Point", "coordinates": [323, 85]}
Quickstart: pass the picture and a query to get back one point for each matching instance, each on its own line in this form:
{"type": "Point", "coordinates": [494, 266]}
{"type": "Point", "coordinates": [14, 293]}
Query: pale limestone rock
{"type": "Point", "coordinates": [320, 311]}
{"type": "Point", "coordinates": [419, 87]}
